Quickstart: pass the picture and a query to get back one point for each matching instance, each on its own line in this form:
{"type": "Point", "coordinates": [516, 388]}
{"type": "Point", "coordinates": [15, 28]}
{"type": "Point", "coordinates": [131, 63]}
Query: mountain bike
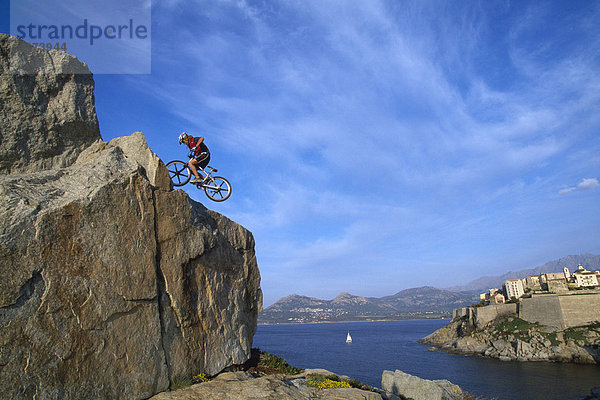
{"type": "Point", "coordinates": [216, 188]}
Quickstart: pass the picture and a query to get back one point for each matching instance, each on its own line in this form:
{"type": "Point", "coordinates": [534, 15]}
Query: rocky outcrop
{"type": "Point", "coordinates": [111, 284]}
{"type": "Point", "coordinates": [411, 387]}
{"type": "Point", "coordinates": [511, 339]}
{"type": "Point", "coordinates": [243, 386]}
{"type": "Point", "coordinates": [47, 113]}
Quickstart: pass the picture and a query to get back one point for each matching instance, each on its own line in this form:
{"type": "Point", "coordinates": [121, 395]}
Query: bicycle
{"type": "Point", "coordinates": [216, 188]}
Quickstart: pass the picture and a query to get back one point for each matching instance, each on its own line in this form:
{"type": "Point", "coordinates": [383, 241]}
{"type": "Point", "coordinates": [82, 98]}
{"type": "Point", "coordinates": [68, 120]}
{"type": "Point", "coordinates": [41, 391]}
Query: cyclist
{"type": "Point", "coordinates": [199, 154]}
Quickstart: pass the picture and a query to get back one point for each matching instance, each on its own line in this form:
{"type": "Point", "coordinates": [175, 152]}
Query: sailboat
{"type": "Point", "coordinates": [348, 338]}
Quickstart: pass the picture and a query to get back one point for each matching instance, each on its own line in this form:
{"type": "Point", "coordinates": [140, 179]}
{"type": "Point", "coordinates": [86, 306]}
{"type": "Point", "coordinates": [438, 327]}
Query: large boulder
{"type": "Point", "coordinates": [111, 284]}
{"type": "Point", "coordinates": [412, 387]}
{"type": "Point", "coordinates": [47, 113]}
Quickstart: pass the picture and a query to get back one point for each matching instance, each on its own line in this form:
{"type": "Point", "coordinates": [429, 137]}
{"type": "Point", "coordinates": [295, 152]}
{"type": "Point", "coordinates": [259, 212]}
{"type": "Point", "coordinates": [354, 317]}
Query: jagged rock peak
{"type": "Point", "coordinates": [47, 115]}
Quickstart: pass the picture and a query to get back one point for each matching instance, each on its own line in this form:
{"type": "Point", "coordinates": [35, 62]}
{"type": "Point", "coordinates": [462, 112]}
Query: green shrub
{"type": "Point", "coordinates": [575, 334]}
{"type": "Point", "coordinates": [278, 363]}
{"type": "Point", "coordinates": [515, 324]}
{"type": "Point", "coordinates": [359, 385]}
{"type": "Point", "coordinates": [180, 383]}
{"type": "Point", "coordinates": [552, 337]}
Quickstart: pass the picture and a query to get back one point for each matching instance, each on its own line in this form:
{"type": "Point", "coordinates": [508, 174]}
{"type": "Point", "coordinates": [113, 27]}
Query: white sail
{"type": "Point", "coordinates": [348, 338]}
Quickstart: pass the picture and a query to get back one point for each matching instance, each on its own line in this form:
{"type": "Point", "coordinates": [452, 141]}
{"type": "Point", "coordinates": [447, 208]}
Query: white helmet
{"type": "Point", "coordinates": [183, 136]}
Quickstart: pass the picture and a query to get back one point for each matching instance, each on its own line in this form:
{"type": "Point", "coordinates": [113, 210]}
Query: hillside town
{"type": "Point", "coordinates": [544, 283]}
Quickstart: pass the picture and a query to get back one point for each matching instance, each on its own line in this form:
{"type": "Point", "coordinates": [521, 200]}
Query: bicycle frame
{"type": "Point", "coordinates": [207, 174]}
{"type": "Point", "coordinates": [216, 188]}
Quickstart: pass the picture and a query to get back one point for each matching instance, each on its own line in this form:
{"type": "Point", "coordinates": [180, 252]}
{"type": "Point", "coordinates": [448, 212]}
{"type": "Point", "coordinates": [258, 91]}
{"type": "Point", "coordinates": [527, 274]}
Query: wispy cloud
{"type": "Point", "coordinates": [585, 184]}
{"type": "Point", "coordinates": [435, 132]}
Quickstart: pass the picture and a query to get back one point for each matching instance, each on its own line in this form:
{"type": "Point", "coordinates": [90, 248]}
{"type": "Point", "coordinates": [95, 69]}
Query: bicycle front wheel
{"type": "Point", "coordinates": [179, 172]}
{"type": "Point", "coordinates": [217, 189]}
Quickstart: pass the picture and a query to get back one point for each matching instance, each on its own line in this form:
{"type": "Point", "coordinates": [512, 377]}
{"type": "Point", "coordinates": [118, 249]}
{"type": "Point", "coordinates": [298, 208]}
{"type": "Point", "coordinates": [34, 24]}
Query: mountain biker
{"type": "Point", "coordinates": [199, 154]}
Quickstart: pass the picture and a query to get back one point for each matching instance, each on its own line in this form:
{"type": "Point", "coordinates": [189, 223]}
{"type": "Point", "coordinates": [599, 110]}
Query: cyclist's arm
{"type": "Point", "coordinates": [196, 148]}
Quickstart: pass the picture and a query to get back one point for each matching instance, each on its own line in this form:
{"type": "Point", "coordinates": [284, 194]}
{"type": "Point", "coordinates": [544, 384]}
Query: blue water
{"type": "Point", "coordinates": [379, 346]}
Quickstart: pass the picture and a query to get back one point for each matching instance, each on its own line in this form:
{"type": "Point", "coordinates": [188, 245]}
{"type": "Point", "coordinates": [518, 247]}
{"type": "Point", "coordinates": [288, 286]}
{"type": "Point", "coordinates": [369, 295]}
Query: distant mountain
{"type": "Point", "coordinates": [589, 261]}
{"type": "Point", "coordinates": [424, 302]}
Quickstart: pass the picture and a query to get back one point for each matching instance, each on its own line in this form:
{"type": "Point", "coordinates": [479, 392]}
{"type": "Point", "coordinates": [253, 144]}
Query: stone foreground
{"type": "Point", "coordinates": [412, 387]}
{"type": "Point", "coordinates": [243, 386]}
{"type": "Point", "coordinates": [111, 284]}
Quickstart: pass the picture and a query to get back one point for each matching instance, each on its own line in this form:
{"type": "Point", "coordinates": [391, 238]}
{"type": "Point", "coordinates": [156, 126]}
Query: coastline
{"type": "Point", "coordinates": [350, 322]}
{"type": "Point", "coordinates": [513, 339]}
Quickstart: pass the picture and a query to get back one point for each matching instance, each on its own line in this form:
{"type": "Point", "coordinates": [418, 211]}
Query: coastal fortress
{"type": "Point", "coordinates": [556, 300]}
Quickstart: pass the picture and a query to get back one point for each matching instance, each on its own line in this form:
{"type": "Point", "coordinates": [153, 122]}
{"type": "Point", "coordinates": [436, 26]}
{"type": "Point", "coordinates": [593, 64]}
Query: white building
{"type": "Point", "coordinates": [492, 296]}
{"type": "Point", "coordinates": [585, 278]}
{"type": "Point", "coordinates": [514, 288]}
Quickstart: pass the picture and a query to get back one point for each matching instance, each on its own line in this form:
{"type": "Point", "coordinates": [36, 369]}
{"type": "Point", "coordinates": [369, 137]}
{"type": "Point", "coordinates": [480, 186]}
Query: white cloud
{"type": "Point", "coordinates": [585, 184]}
{"type": "Point", "coordinates": [412, 129]}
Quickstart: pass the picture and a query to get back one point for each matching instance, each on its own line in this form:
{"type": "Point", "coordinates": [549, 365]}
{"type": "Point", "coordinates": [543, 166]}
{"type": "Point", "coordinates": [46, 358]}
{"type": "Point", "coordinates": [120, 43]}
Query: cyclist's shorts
{"type": "Point", "coordinates": [203, 160]}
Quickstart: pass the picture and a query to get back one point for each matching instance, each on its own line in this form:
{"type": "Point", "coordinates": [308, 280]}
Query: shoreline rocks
{"type": "Point", "coordinates": [512, 339]}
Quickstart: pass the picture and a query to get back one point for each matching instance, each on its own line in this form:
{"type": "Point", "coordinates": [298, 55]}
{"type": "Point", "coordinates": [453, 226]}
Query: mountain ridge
{"type": "Point", "coordinates": [412, 303]}
{"type": "Point", "coordinates": [588, 260]}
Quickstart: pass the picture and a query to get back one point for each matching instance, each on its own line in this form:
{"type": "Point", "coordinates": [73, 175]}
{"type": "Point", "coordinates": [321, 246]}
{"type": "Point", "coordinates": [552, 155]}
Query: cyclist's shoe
{"type": "Point", "coordinates": [196, 180]}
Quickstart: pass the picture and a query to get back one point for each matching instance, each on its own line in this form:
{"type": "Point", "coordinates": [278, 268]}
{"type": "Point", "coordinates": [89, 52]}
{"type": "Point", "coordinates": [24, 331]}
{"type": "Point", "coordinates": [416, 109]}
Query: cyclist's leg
{"type": "Point", "coordinates": [204, 162]}
{"type": "Point", "coordinates": [192, 164]}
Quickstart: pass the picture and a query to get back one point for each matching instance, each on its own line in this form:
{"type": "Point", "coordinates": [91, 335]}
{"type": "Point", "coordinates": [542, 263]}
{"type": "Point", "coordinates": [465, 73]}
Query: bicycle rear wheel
{"type": "Point", "coordinates": [217, 188]}
{"type": "Point", "coordinates": [179, 172]}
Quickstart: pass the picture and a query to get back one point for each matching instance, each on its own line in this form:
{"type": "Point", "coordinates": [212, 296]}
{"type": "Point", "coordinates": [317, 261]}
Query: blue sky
{"type": "Point", "coordinates": [375, 146]}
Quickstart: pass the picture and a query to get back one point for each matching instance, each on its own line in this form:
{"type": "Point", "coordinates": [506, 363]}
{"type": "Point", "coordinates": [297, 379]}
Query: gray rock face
{"type": "Point", "coordinates": [412, 387]}
{"type": "Point", "coordinates": [111, 284]}
{"type": "Point", "coordinates": [47, 113]}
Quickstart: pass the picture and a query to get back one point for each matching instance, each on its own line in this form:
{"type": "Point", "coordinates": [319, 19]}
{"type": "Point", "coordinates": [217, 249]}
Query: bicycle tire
{"type": "Point", "coordinates": [217, 189]}
{"type": "Point", "coordinates": [179, 172]}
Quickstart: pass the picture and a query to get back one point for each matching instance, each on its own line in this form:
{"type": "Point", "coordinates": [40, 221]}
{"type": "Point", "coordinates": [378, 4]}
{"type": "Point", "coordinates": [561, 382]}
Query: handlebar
{"type": "Point", "coordinates": [200, 156]}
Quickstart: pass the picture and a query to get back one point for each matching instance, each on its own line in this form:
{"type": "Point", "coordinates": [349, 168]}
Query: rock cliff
{"type": "Point", "coordinates": [111, 284]}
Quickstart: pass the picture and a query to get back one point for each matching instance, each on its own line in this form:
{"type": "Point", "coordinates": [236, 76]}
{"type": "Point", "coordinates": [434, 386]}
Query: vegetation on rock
{"type": "Point", "coordinates": [262, 363]}
{"type": "Point", "coordinates": [322, 382]}
{"type": "Point", "coordinates": [277, 363]}
{"type": "Point", "coordinates": [515, 339]}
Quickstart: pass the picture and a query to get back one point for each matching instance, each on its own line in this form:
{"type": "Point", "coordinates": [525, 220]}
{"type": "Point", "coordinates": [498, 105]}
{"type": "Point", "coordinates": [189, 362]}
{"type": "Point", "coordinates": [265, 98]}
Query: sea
{"type": "Point", "coordinates": [391, 345]}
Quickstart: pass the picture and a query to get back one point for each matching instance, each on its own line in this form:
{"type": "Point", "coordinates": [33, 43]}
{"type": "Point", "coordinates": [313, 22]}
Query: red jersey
{"type": "Point", "coordinates": [197, 148]}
